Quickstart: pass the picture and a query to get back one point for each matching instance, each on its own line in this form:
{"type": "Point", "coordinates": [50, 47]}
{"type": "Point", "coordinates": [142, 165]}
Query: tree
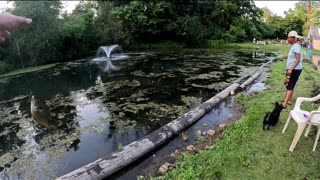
{"type": "Point", "coordinates": [109, 28]}
{"type": "Point", "coordinates": [78, 31]}
{"type": "Point", "coordinates": [145, 20]}
{"type": "Point", "coordinates": [39, 43]}
{"type": "Point", "coordinates": [267, 15]}
{"type": "Point", "coordinates": [294, 20]}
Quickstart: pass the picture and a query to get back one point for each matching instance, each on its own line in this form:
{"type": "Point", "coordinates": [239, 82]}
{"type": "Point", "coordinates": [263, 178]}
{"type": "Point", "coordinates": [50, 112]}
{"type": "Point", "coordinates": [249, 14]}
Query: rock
{"type": "Point", "coordinates": [164, 168]}
{"type": "Point", "coordinates": [222, 126]}
{"type": "Point", "coordinates": [140, 177]}
{"type": "Point", "coordinates": [199, 133]}
{"type": "Point", "coordinates": [232, 93]}
{"type": "Point", "coordinates": [190, 148]}
{"type": "Point", "coordinates": [184, 137]}
{"type": "Point", "coordinates": [206, 147]}
{"type": "Point", "coordinates": [210, 133]}
{"type": "Point", "coordinates": [173, 155]}
{"type": "Point", "coordinates": [60, 116]}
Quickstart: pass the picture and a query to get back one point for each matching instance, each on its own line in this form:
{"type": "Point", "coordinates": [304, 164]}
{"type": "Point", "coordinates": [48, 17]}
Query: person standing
{"type": "Point", "coordinates": [309, 52]}
{"type": "Point", "coordinates": [294, 66]}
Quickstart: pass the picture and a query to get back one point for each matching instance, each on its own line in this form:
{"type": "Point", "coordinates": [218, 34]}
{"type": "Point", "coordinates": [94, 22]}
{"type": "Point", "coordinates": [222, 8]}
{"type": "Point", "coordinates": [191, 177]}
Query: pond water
{"type": "Point", "coordinates": [103, 105]}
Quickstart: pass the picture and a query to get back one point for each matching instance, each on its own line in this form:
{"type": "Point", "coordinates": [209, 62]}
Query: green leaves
{"type": "Point", "coordinates": [58, 37]}
{"type": "Point", "coordinates": [38, 43]}
{"type": "Point", "coordinates": [145, 19]}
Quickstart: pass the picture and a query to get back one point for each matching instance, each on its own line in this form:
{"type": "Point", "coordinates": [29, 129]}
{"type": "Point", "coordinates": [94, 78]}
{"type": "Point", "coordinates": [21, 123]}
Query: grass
{"type": "Point", "coordinates": [245, 151]}
{"type": "Point", "coordinates": [282, 48]}
{"type": "Point", "coordinates": [27, 70]}
{"type": "Point", "coordinates": [162, 45]}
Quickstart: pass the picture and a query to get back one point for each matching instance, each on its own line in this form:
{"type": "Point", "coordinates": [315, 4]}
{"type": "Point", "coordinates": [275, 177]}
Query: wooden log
{"type": "Point", "coordinates": [250, 73]}
{"type": "Point", "coordinates": [251, 79]}
{"type": "Point", "coordinates": [109, 164]}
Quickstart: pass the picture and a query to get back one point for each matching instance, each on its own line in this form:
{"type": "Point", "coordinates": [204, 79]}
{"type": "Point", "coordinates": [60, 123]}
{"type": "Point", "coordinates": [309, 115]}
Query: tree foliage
{"type": "Point", "coordinates": [39, 43]}
{"type": "Point", "coordinates": [57, 36]}
{"type": "Point", "coordinates": [79, 32]}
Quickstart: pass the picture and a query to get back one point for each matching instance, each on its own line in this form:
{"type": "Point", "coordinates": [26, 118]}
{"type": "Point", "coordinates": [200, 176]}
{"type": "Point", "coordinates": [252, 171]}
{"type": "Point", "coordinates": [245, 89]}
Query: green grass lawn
{"type": "Point", "coordinates": [282, 48]}
{"type": "Point", "coordinates": [27, 70]}
{"type": "Point", "coordinates": [245, 151]}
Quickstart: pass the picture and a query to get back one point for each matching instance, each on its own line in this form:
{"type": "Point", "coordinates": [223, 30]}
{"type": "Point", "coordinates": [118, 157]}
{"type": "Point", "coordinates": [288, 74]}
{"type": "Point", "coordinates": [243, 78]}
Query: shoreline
{"type": "Point", "coordinates": [245, 151]}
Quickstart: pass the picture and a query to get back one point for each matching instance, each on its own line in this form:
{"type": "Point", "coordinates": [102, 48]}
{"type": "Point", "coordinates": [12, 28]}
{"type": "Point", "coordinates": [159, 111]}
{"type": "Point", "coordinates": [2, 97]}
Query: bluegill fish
{"type": "Point", "coordinates": [41, 114]}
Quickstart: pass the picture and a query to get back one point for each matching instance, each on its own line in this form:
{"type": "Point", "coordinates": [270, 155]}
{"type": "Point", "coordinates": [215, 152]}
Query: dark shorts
{"type": "Point", "coordinates": [293, 78]}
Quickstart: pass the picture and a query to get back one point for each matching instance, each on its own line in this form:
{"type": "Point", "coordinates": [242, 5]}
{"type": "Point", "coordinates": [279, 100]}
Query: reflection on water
{"type": "Point", "coordinates": [100, 111]}
{"type": "Point", "coordinates": [316, 61]}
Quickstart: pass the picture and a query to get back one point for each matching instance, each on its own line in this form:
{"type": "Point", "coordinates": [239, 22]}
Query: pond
{"type": "Point", "coordinates": [101, 105]}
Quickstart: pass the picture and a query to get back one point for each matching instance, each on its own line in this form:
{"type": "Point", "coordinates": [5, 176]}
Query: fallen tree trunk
{"type": "Point", "coordinates": [249, 74]}
{"type": "Point", "coordinates": [109, 164]}
{"type": "Point", "coordinates": [250, 80]}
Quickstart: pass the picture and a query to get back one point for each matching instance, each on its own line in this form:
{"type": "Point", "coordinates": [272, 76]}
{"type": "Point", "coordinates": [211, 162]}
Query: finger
{"type": "Point", "coordinates": [5, 33]}
{"type": "Point", "coordinates": [9, 21]}
{"type": "Point", "coordinates": [2, 39]}
{"type": "Point", "coordinates": [22, 20]}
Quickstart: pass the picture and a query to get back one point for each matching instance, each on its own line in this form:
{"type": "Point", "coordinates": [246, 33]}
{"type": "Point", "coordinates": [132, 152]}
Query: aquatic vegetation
{"type": "Point", "coordinates": [209, 76]}
{"type": "Point", "coordinates": [102, 109]}
{"type": "Point", "coordinates": [188, 101]}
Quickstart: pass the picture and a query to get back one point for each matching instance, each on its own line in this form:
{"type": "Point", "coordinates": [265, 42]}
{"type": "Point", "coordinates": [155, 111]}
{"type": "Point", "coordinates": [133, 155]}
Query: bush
{"type": "Point", "coordinates": [191, 30]}
{"type": "Point", "coordinates": [4, 67]}
{"type": "Point", "coordinates": [215, 43]}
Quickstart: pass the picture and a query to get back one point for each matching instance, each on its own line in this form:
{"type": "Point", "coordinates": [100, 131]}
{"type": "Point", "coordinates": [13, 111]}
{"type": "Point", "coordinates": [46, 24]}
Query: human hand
{"type": "Point", "coordinates": [3, 35]}
{"type": "Point", "coordinates": [9, 22]}
{"type": "Point", "coordinates": [289, 72]}
{"type": "Point", "coordinates": [286, 80]}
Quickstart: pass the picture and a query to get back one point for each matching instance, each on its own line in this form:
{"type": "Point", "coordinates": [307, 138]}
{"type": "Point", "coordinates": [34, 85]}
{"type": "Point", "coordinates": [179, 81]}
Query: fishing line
{"type": "Point", "coordinates": [23, 67]}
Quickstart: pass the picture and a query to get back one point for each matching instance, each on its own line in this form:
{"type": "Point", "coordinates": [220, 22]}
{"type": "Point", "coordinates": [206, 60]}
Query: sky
{"type": "Point", "coordinates": [277, 7]}
{"type": "Point", "coordinates": [68, 5]}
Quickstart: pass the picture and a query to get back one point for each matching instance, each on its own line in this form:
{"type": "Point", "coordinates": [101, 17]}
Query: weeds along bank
{"type": "Point", "coordinates": [245, 151]}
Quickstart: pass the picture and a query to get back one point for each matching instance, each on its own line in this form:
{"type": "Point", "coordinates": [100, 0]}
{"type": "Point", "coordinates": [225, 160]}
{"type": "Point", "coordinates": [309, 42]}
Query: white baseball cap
{"type": "Point", "coordinates": [294, 34]}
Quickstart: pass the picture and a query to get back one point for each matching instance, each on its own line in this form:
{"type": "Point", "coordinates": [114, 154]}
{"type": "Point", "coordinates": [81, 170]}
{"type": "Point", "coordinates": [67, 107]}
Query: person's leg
{"type": "Point", "coordinates": [287, 98]}
{"type": "Point", "coordinates": [292, 82]}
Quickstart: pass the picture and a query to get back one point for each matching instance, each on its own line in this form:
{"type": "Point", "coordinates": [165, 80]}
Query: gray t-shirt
{"type": "Point", "coordinates": [296, 48]}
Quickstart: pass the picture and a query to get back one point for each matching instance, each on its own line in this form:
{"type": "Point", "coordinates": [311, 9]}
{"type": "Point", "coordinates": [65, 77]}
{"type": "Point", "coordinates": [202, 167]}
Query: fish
{"type": "Point", "coordinates": [41, 114]}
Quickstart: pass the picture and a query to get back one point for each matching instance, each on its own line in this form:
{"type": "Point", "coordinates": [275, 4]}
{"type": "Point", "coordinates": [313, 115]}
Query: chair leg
{"type": "Point", "coordinates": [287, 123]}
{"type": "Point", "coordinates": [307, 130]}
{"type": "Point", "coordinates": [296, 138]}
{"type": "Point", "coordinates": [316, 140]}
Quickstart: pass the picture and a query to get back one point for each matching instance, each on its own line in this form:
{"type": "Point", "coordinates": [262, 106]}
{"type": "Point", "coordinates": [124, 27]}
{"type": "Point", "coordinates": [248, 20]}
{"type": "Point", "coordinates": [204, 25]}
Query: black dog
{"type": "Point", "coordinates": [272, 118]}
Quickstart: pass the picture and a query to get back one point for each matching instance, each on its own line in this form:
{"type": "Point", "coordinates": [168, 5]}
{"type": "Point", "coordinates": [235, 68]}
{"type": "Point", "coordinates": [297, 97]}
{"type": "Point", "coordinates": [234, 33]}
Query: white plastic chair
{"type": "Point", "coordinates": [304, 118]}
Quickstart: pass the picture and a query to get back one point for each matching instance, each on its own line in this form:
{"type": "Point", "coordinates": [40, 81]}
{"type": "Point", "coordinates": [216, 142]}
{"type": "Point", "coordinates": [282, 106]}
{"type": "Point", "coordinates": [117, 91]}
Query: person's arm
{"type": "Point", "coordinates": [9, 22]}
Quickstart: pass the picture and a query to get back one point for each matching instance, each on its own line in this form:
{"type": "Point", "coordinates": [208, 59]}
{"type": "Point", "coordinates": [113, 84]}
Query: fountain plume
{"type": "Point", "coordinates": [107, 50]}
